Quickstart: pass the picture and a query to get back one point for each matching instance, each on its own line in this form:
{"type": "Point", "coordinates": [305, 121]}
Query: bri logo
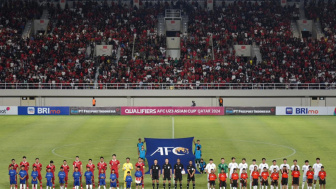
{"type": "Point", "coordinates": [164, 151]}
{"type": "Point", "coordinates": [31, 110]}
{"type": "Point", "coordinates": [289, 110]}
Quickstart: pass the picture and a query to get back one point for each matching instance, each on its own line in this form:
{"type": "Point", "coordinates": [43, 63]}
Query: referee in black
{"type": "Point", "coordinates": [178, 173]}
{"type": "Point", "coordinates": [155, 174]}
{"type": "Point", "coordinates": [166, 173]}
{"type": "Point", "coordinates": [191, 174]}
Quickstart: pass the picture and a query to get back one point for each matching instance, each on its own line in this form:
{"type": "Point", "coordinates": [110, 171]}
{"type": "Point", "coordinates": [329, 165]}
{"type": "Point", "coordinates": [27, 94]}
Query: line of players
{"type": "Point", "coordinates": [310, 174]}
{"type": "Point", "coordinates": [77, 169]}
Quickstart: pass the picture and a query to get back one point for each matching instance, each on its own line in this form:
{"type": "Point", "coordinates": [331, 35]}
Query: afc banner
{"type": "Point", "coordinates": [168, 110]}
{"type": "Point", "coordinates": [173, 149]}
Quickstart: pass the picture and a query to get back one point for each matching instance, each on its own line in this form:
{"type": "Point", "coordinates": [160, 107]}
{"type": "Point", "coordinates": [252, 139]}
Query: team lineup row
{"type": "Point", "coordinates": [311, 174]}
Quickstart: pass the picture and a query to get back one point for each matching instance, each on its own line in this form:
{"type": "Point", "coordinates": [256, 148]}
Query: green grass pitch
{"type": "Point", "coordinates": [63, 137]}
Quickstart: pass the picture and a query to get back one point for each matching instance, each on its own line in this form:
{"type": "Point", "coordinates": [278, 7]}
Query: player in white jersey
{"type": "Point", "coordinates": [233, 165]}
{"type": "Point", "coordinates": [241, 166]}
{"type": "Point", "coordinates": [251, 168]}
{"type": "Point", "coordinates": [208, 169]}
{"type": "Point", "coordinates": [262, 165]}
{"type": "Point", "coordinates": [293, 166]}
{"type": "Point", "coordinates": [305, 168]}
{"type": "Point", "coordinates": [317, 168]}
{"type": "Point", "coordinates": [274, 165]}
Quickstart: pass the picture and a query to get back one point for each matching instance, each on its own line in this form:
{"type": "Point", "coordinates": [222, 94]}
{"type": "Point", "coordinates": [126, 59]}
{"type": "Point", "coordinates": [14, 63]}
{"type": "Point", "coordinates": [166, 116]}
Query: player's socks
{"type": "Point", "coordinates": [180, 186]}
{"type": "Point", "coordinates": [157, 185]}
{"type": "Point", "coordinates": [104, 187]}
{"type": "Point", "coordinates": [153, 186]}
{"type": "Point", "coordinates": [193, 186]}
{"type": "Point", "coordinates": [175, 185]}
{"type": "Point", "coordinates": [208, 185]}
{"type": "Point", "coordinates": [187, 186]}
{"type": "Point", "coordinates": [164, 185]}
{"type": "Point", "coordinates": [169, 185]}
{"type": "Point", "coordinates": [292, 187]}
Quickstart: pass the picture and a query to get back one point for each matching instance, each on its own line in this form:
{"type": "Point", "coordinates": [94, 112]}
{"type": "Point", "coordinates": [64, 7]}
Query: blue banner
{"type": "Point", "coordinates": [43, 110]}
{"type": "Point", "coordinates": [172, 149]}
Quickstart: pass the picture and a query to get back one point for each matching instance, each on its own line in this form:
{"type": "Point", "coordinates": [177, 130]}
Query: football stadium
{"type": "Point", "coordinates": [174, 94]}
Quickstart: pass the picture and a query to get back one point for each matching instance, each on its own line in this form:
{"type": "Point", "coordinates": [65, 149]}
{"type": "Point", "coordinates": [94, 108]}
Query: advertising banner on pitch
{"type": "Point", "coordinates": [304, 110]}
{"type": "Point", "coordinates": [172, 149]}
{"type": "Point", "coordinates": [249, 110]}
{"type": "Point", "coordinates": [8, 110]}
{"type": "Point", "coordinates": [167, 110]}
{"type": "Point", "coordinates": [43, 110]}
{"type": "Point", "coordinates": [94, 110]}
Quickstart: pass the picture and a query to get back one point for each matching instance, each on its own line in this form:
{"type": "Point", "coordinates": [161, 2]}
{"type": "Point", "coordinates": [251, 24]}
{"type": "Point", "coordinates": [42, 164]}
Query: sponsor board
{"type": "Point", "coordinates": [304, 110]}
{"type": "Point", "coordinates": [8, 110]}
{"type": "Point", "coordinates": [129, 110]}
{"type": "Point", "coordinates": [43, 110]}
{"type": "Point", "coordinates": [94, 110]}
{"type": "Point", "coordinates": [172, 149]}
{"type": "Point", "coordinates": [249, 110]}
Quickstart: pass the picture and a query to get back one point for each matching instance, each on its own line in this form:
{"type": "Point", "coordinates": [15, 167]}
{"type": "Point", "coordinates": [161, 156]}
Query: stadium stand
{"type": "Point", "coordinates": [65, 53]}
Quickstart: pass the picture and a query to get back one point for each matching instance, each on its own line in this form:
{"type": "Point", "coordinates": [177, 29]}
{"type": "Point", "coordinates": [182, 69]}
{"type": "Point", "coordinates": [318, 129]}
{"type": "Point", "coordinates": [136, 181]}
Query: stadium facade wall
{"type": "Point", "coordinates": [167, 97]}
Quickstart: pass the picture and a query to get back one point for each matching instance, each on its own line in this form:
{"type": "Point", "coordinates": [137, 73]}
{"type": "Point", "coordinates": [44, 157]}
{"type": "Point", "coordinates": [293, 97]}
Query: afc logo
{"type": "Point", "coordinates": [164, 151]}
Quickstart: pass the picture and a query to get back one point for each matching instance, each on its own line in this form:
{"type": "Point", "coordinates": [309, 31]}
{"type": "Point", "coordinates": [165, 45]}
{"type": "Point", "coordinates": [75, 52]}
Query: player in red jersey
{"type": "Point", "coordinates": [92, 167]}
{"type": "Point", "coordinates": [141, 164]}
{"type": "Point", "coordinates": [234, 179]}
{"type": "Point", "coordinates": [15, 167]}
{"type": "Point", "coordinates": [255, 176]}
{"type": "Point", "coordinates": [78, 164]}
{"type": "Point", "coordinates": [222, 179]}
{"type": "Point", "coordinates": [264, 178]}
{"type": "Point", "coordinates": [52, 167]}
{"type": "Point", "coordinates": [275, 178]}
{"type": "Point", "coordinates": [101, 166]}
{"type": "Point", "coordinates": [66, 169]}
{"type": "Point", "coordinates": [115, 164]}
{"type": "Point", "coordinates": [322, 176]}
{"type": "Point", "coordinates": [310, 177]}
{"type": "Point", "coordinates": [243, 179]}
{"type": "Point", "coordinates": [26, 167]}
{"type": "Point", "coordinates": [38, 166]}
{"type": "Point", "coordinates": [296, 177]}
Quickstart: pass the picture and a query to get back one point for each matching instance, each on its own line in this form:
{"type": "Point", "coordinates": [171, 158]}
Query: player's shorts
{"type": "Point", "coordinates": [284, 181]}
{"type": "Point", "coordinates": [113, 184]}
{"type": "Point", "coordinates": [212, 183]}
{"type": "Point", "coordinates": [39, 177]}
{"type": "Point", "coordinates": [235, 183]}
{"type": "Point", "coordinates": [61, 181]}
{"type": "Point", "coordinates": [49, 183]}
{"type": "Point", "coordinates": [166, 177]}
{"type": "Point", "coordinates": [178, 178]}
{"type": "Point", "coordinates": [102, 182]}
{"type": "Point", "coordinates": [296, 180]}
{"type": "Point", "coordinates": [322, 182]}
{"type": "Point", "coordinates": [255, 182]}
{"type": "Point", "coordinates": [88, 182]}
{"type": "Point", "coordinates": [12, 181]}
{"type": "Point", "coordinates": [304, 179]}
{"type": "Point", "coordinates": [264, 182]}
{"type": "Point", "coordinates": [222, 184]}
{"type": "Point", "coordinates": [243, 182]}
{"type": "Point", "coordinates": [191, 178]}
{"type": "Point", "coordinates": [128, 185]}
{"type": "Point", "coordinates": [155, 177]}
{"type": "Point", "coordinates": [316, 177]}
{"type": "Point", "coordinates": [310, 181]}
{"type": "Point", "coordinates": [34, 182]}
{"type": "Point", "coordinates": [22, 181]}
{"type": "Point", "coordinates": [76, 183]}
{"type": "Point", "coordinates": [274, 183]}
{"type": "Point", "coordinates": [197, 160]}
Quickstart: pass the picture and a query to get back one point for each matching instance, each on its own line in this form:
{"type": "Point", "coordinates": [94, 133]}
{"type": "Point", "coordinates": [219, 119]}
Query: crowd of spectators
{"type": "Point", "coordinates": [64, 53]}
